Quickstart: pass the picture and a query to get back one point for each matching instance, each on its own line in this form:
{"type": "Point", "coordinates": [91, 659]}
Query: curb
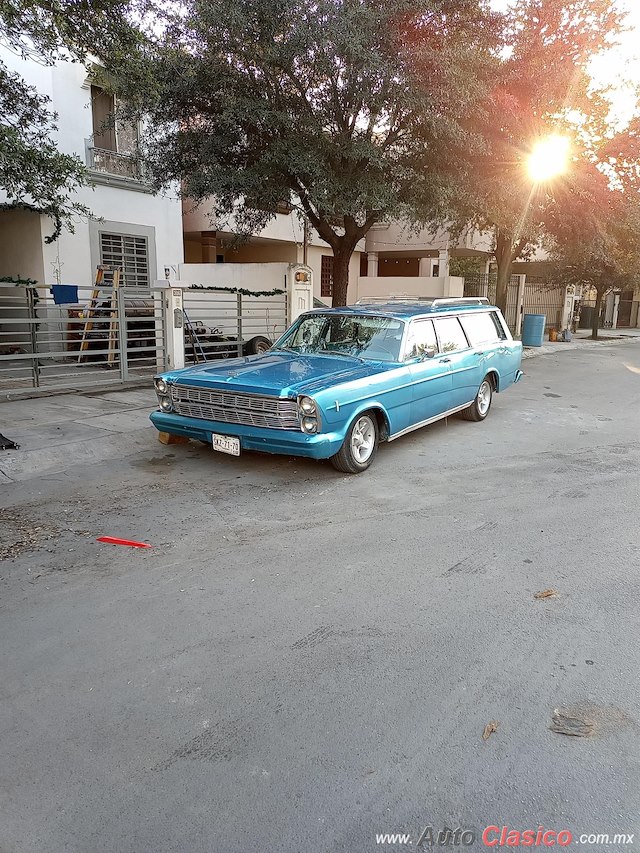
{"type": "Point", "coordinates": [575, 344]}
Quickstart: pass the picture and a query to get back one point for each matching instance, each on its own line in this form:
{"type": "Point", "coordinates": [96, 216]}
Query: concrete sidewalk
{"type": "Point", "coordinates": [582, 340]}
{"type": "Point", "coordinates": [56, 432]}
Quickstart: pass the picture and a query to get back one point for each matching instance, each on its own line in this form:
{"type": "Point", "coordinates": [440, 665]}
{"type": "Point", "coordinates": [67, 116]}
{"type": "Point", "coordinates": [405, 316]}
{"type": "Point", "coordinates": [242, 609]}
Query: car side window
{"type": "Point", "coordinates": [421, 337]}
{"type": "Point", "coordinates": [502, 335]}
{"type": "Point", "coordinates": [450, 334]}
{"type": "Point", "coordinates": [480, 329]}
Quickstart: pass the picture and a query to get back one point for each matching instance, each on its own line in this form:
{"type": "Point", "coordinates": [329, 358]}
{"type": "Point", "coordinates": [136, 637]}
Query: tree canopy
{"type": "Point", "coordinates": [353, 110]}
{"type": "Point", "coordinates": [542, 85]}
{"type": "Point", "coordinates": [597, 231]}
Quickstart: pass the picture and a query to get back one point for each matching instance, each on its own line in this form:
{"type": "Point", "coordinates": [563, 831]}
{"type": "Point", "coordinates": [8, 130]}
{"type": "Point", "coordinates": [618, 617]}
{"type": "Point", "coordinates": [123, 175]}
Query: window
{"type": "Point", "coordinates": [104, 123]}
{"type": "Point", "coordinates": [326, 276]}
{"type": "Point", "coordinates": [480, 329]}
{"type": "Point", "coordinates": [450, 334]}
{"type": "Point", "coordinates": [130, 253]}
{"type": "Point", "coordinates": [502, 335]}
{"type": "Point", "coordinates": [422, 337]}
{"type": "Point", "coordinates": [376, 338]}
{"type": "Point", "coordinates": [115, 140]}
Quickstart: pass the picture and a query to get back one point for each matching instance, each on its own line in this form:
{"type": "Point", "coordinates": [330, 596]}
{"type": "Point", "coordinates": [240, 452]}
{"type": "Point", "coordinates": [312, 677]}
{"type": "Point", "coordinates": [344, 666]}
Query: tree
{"type": "Point", "coordinates": [541, 85]}
{"type": "Point", "coordinates": [351, 110]}
{"type": "Point", "coordinates": [596, 223]}
{"type": "Point", "coordinates": [33, 172]}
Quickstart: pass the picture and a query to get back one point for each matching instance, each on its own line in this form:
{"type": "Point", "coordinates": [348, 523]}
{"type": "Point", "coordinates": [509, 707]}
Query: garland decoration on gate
{"type": "Point", "coordinates": [241, 290]}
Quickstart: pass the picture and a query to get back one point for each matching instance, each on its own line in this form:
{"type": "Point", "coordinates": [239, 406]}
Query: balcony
{"type": "Point", "coordinates": [110, 168]}
{"type": "Point", "coordinates": [113, 163]}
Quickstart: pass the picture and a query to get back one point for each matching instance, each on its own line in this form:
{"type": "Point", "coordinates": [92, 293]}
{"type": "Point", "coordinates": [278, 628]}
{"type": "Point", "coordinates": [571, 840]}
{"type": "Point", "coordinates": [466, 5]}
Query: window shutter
{"type": "Point", "coordinates": [326, 276]}
{"type": "Point", "coordinates": [128, 252]}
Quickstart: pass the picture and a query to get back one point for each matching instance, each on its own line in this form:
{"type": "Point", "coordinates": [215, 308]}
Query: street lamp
{"type": "Point", "coordinates": [549, 158]}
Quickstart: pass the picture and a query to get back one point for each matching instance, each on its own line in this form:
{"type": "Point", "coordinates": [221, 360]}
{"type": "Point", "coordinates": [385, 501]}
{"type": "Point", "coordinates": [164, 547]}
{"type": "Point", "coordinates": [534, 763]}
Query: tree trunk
{"type": "Point", "coordinates": [504, 254]}
{"type": "Point", "coordinates": [340, 277]}
{"type": "Point", "coordinates": [595, 320]}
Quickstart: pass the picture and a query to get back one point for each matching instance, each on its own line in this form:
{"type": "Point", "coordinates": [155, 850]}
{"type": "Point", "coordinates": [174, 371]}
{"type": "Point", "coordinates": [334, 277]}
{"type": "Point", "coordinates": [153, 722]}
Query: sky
{"type": "Point", "coordinates": [622, 63]}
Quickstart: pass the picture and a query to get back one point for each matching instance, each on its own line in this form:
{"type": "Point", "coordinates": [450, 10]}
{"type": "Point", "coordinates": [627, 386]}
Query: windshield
{"type": "Point", "coordinates": [376, 338]}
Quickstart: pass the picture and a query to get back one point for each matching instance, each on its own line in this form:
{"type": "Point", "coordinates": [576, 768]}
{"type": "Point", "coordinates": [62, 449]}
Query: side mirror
{"type": "Point", "coordinates": [429, 353]}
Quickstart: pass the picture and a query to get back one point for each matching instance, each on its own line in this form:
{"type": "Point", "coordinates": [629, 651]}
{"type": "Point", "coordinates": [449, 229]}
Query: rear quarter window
{"type": "Point", "coordinates": [481, 328]}
{"type": "Point", "coordinates": [450, 334]}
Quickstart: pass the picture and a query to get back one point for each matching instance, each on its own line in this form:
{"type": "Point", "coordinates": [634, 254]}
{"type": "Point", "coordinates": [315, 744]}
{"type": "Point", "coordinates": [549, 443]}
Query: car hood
{"type": "Point", "coordinates": [279, 374]}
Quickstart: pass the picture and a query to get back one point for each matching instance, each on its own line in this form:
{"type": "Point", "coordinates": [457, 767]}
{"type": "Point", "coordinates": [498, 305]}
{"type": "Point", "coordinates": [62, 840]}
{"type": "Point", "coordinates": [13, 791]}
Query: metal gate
{"type": "Point", "coordinates": [223, 324]}
{"type": "Point", "coordinates": [113, 339]}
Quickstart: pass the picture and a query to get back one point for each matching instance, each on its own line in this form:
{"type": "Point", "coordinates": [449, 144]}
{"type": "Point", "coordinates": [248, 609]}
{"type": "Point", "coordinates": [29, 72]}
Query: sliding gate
{"type": "Point", "coordinates": [114, 338]}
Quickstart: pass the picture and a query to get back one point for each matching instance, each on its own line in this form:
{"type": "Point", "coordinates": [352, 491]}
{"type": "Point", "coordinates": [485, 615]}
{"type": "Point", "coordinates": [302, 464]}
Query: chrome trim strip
{"type": "Point", "coordinates": [429, 421]}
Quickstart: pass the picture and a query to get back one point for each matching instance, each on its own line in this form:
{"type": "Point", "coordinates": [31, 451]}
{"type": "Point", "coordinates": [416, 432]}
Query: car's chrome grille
{"type": "Point", "coordinates": [235, 408]}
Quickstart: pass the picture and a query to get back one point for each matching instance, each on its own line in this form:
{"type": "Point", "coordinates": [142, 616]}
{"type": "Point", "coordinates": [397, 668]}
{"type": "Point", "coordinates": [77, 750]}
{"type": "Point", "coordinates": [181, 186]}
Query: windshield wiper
{"type": "Point", "coordinates": [338, 352]}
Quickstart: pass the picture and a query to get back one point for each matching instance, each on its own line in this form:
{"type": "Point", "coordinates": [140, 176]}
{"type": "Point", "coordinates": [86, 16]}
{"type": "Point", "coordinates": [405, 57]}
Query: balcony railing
{"type": "Point", "coordinates": [113, 163]}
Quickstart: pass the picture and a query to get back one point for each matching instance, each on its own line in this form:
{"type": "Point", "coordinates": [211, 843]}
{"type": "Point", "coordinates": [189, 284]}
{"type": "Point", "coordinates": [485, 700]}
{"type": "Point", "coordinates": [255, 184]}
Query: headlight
{"type": "Point", "coordinates": [308, 406]}
{"type": "Point", "coordinates": [309, 425]}
{"type": "Point", "coordinates": [161, 386]}
{"type": "Point", "coordinates": [165, 403]}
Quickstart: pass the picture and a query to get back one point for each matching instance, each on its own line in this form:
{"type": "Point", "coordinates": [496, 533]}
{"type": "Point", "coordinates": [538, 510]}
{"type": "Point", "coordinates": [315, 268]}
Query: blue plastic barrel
{"type": "Point", "coordinates": [533, 330]}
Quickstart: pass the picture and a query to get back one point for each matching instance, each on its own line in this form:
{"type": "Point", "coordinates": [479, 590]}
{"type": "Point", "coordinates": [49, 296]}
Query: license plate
{"type": "Point", "coordinates": [226, 444]}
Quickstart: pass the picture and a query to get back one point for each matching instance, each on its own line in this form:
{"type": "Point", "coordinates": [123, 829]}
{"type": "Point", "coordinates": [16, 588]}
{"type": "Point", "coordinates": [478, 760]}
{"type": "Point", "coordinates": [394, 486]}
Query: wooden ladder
{"type": "Point", "coordinates": [93, 310]}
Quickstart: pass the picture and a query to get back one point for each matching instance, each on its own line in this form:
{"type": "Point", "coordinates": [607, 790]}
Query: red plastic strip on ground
{"type": "Point", "coordinates": [113, 540]}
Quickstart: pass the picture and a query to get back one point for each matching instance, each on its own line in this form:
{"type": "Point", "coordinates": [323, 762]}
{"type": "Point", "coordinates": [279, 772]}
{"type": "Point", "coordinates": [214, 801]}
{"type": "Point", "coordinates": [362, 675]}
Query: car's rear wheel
{"type": "Point", "coordinates": [360, 445]}
{"type": "Point", "coordinates": [479, 409]}
{"type": "Point", "coordinates": [257, 345]}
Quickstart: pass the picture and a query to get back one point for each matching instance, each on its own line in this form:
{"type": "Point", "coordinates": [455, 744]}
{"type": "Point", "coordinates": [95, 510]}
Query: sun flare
{"type": "Point", "coordinates": [549, 158]}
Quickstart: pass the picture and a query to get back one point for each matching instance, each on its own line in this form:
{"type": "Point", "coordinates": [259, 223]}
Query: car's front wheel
{"type": "Point", "coordinates": [479, 409]}
{"type": "Point", "coordinates": [360, 445]}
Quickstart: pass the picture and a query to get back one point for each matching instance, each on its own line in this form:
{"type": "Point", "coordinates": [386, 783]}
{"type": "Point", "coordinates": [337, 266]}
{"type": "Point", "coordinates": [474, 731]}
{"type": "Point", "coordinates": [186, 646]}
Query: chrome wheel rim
{"type": "Point", "coordinates": [363, 438]}
{"type": "Point", "coordinates": [484, 398]}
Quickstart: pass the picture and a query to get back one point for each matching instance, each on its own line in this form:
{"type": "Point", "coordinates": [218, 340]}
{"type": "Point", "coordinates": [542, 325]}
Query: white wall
{"type": "Point", "coordinates": [410, 286]}
{"type": "Point", "coordinates": [118, 206]}
{"type": "Point", "coordinates": [246, 276]}
{"type": "Point", "coordinates": [67, 85]}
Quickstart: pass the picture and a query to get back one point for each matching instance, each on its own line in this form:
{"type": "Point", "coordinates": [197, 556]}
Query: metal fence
{"type": "Point", "coordinates": [114, 338]}
{"type": "Point", "coordinates": [220, 324]}
{"type": "Point", "coordinates": [541, 297]}
{"type": "Point", "coordinates": [485, 285]}
{"type": "Point", "coordinates": [538, 297]}
{"type": "Point", "coordinates": [628, 314]}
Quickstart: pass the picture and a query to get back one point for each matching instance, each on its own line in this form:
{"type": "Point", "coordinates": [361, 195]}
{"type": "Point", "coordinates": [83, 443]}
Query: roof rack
{"type": "Point", "coordinates": [433, 301]}
{"type": "Point", "coordinates": [459, 300]}
{"type": "Point", "coordinates": [370, 300]}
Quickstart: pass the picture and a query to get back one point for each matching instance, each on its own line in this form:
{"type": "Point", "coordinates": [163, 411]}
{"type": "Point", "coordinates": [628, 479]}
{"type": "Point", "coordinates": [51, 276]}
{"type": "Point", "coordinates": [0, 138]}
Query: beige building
{"type": "Point", "coordinates": [281, 241]}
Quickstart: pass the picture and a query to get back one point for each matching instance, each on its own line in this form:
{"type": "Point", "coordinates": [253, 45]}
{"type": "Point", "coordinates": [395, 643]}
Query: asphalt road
{"type": "Point", "coordinates": [305, 660]}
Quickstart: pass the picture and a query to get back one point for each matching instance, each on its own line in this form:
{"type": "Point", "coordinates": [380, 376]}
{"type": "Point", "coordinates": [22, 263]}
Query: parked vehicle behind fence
{"type": "Point", "coordinates": [341, 380]}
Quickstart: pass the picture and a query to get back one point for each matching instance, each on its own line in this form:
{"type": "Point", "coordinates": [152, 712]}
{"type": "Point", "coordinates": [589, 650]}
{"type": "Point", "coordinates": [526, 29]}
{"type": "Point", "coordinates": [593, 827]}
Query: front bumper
{"type": "Point", "coordinates": [288, 442]}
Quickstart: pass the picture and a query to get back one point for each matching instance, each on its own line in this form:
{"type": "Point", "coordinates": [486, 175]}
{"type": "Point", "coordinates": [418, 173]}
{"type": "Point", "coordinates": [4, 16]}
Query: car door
{"type": "Point", "coordinates": [461, 359]}
{"type": "Point", "coordinates": [483, 336]}
{"type": "Point", "coordinates": [430, 373]}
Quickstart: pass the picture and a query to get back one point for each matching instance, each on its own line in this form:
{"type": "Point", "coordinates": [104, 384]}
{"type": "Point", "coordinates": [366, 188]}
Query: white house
{"type": "Point", "coordinates": [132, 228]}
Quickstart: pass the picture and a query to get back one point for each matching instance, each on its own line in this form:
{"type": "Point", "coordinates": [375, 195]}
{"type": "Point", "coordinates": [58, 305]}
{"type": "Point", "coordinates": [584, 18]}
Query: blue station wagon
{"type": "Point", "coordinates": [341, 380]}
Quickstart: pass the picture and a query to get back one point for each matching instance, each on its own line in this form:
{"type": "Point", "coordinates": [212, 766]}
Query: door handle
{"type": "Point", "coordinates": [444, 360]}
{"type": "Point", "coordinates": [480, 353]}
